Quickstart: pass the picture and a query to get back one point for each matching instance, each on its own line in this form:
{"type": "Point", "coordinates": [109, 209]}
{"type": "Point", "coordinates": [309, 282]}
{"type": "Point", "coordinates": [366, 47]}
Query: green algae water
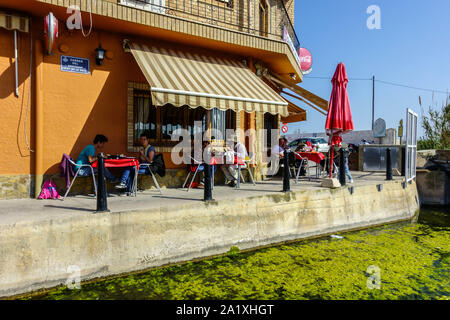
{"type": "Point", "coordinates": [399, 261]}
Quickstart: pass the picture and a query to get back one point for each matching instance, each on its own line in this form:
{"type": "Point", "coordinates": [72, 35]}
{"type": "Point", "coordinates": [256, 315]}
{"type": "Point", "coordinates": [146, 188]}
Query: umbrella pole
{"type": "Point", "coordinates": [331, 162]}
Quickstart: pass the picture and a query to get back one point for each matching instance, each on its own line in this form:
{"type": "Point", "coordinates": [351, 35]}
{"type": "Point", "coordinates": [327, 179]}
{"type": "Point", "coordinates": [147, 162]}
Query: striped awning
{"type": "Point", "coordinates": [13, 22]}
{"type": "Point", "coordinates": [187, 78]}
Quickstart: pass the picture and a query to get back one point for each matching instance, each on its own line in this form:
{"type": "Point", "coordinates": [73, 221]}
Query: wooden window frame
{"type": "Point", "coordinates": [262, 5]}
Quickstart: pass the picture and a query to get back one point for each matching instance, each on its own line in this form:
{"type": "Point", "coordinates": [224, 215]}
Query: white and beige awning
{"type": "Point", "coordinates": [197, 80]}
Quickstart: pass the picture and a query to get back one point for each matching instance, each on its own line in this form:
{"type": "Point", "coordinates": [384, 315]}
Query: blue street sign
{"type": "Point", "coordinates": [74, 64]}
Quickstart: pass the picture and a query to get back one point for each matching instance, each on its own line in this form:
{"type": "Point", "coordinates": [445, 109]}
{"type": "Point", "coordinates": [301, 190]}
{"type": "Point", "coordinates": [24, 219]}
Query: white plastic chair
{"type": "Point", "coordinates": [76, 175]}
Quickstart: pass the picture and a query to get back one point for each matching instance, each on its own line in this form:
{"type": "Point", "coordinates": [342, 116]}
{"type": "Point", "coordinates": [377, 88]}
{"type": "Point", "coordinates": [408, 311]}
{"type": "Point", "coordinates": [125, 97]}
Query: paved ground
{"type": "Point", "coordinates": [16, 211]}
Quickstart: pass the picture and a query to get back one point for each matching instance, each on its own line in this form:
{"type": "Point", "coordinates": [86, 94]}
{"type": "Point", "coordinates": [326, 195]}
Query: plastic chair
{"type": "Point", "coordinates": [246, 166]}
{"type": "Point", "coordinates": [280, 164]}
{"type": "Point", "coordinates": [299, 157]}
{"type": "Point", "coordinates": [76, 175]}
{"type": "Point", "coordinates": [194, 168]}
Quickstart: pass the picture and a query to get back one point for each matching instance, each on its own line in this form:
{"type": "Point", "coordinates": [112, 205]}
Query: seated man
{"type": "Point", "coordinates": [229, 169]}
{"type": "Point", "coordinates": [278, 149]}
{"type": "Point", "coordinates": [87, 156]}
{"type": "Point", "coordinates": [146, 155]}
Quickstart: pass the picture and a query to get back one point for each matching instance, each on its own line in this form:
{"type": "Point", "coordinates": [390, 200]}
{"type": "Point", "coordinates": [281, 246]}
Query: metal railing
{"type": "Point", "coordinates": [228, 14]}
{"type": "Point", "coordinates": [286, 21]}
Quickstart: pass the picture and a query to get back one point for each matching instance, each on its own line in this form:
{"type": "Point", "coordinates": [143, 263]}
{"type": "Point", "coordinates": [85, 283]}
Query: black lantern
{"type": "Point", "coordinates": [99, 55]}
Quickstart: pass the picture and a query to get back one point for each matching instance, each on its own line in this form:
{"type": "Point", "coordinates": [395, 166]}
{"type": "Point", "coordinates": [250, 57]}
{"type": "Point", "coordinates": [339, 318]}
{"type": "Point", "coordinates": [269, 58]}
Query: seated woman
{"type": "Point", "coordinates": [146, 155]}
{"type": "Point", "coordinates": [87, 156]}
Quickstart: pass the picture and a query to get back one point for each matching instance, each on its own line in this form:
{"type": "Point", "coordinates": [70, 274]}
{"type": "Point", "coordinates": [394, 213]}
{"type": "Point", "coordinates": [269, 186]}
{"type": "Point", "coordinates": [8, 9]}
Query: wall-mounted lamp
{"type": "Point", "coordinates": [99, 55]}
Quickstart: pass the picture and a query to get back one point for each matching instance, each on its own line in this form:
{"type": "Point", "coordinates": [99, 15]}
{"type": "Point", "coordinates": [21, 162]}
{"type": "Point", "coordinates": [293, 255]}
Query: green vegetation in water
{"type": "Point", "coordinates": [413, 259]}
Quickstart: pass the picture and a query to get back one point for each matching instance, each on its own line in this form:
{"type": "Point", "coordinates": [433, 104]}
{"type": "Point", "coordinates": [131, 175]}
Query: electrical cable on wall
{"type": "Point", "coordinates": [29, 89]}
{"type": "Point", "coordinates": [90, 16]}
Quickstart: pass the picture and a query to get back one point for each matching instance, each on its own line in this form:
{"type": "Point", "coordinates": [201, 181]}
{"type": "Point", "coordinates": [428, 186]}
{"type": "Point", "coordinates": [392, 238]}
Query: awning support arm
{"type": "Point", "coordinates": [295, 89]}
{"type": "Point", "coordinates": [303, 100]}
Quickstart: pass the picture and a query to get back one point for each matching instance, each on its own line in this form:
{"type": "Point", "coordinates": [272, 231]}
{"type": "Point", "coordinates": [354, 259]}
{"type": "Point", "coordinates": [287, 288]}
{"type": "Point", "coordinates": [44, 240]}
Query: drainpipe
{"type": "Point", "coordinates": [39, 119]}
{"type": "Point", "coordinates": [16, 73]}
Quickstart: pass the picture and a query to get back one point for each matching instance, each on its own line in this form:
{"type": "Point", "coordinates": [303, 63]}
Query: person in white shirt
{"type": "Point", "coordinates": [279, 148]}
{"type": "Point", "coordinates": [277, 155]}
{"type": "Point", "coordinates": [229, 169]}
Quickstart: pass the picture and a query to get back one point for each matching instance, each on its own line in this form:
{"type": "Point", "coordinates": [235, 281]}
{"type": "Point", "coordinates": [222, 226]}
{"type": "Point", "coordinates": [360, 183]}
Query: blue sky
{"type": "Point", "coordinates": [412, 47]}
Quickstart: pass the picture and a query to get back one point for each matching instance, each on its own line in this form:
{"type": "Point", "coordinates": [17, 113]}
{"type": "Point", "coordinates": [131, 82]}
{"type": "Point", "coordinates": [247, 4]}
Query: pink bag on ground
{"type": "Point", "coordinates": [49, 191]}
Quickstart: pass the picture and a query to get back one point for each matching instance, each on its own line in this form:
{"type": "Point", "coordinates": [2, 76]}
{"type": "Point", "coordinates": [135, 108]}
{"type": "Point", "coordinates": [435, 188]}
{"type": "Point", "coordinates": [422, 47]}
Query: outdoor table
{"type": "Point", "coordinates": [121, 163]}
{"type": "Point", "coordinates": [218, 159]}
{"type": "Point", "coordinates": [312, 156]}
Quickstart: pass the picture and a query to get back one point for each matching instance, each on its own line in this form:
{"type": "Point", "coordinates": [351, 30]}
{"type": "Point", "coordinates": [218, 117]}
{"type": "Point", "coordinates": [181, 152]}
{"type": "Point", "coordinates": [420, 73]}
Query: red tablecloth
{"type": "Point", "coordinates": [313, 156]}
{"type": "Point", "coordinates": [238, 161]}
{"type": "Point", "coordinates": [222, 161]}
{"type": "Point", "coordinates": [118, 163]}
{"type": "Point", "coordinates": [218, 161]}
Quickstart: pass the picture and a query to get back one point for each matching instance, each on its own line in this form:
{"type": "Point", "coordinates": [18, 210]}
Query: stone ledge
{"type": "Point", "coordinates": [36, 254]}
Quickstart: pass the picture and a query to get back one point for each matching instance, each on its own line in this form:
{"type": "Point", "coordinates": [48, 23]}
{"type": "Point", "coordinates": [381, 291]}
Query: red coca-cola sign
{"type": "Point", "coordinates": [305, 60]}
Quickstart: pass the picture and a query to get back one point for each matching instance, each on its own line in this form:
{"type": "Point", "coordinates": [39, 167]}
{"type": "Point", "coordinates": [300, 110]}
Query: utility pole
{"type": "Point", "coordinates": [373, 100]}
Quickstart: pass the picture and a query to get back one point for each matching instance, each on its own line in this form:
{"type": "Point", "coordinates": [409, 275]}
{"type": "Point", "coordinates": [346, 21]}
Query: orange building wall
{"type": "Point", "coordinates": [76, 106]}
{"type": "Point", "coordinates": [15, 158]}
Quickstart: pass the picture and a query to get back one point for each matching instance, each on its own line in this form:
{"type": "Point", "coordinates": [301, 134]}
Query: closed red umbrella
{"type": "Point", "coordinates": [339, 117]}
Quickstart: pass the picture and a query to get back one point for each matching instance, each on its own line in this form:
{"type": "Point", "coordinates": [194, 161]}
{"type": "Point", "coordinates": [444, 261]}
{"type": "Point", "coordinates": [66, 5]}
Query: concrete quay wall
{"type": "Point", "coordinates": [41, 254]}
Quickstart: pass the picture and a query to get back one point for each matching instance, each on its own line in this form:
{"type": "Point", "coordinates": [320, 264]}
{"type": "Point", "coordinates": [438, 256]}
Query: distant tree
{"type": "Point", "coordinates": [436, 127]}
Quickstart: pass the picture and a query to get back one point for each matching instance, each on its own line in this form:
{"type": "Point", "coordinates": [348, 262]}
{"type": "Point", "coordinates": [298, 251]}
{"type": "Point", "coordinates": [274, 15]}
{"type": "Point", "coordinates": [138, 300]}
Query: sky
{"type": "Point", "coordinates": [412, 48]}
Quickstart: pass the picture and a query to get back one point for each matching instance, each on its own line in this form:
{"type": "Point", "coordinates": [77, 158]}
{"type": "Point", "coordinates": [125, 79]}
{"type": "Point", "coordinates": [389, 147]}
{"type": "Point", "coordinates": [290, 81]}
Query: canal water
{"type": "Point", "coordinates": [398, 261]}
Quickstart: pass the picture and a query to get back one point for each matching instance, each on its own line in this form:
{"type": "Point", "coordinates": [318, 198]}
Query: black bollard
{"type": "Point", "coordinates": [342, 159]}
{"type": "Point", "coordinates": [403, 161]}
{"type": "Point", "coordinates": [388, 164]}
{"type": "Point", "coordinates": [207, 194]}
{"type": "Point", "coordinates": [102, 205]}
{"type": "Point", "coordinates": [286, 173]}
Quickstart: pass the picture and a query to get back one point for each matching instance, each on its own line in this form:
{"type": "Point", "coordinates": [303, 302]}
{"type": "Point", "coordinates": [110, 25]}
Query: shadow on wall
{"type": "Point", "coordinates": [98, 101]}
